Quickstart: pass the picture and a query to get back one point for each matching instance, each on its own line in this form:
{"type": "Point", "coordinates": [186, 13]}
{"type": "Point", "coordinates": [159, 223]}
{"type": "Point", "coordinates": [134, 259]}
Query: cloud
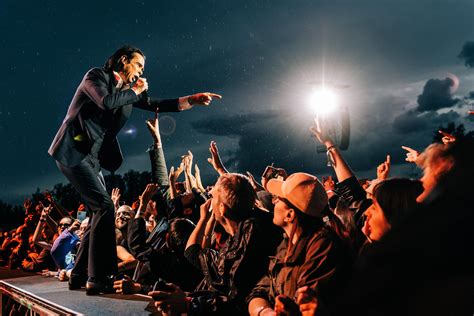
{"type": "Point", "coordinates": [414, 122]}
{"type": "Point", "coordinates": [437, 94]}
{"type": "Point", "coordinates": [264, 138]}
{"type": "Point", "coordinates": [467, 54]}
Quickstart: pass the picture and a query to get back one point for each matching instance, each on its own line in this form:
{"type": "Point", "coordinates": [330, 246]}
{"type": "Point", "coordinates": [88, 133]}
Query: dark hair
{"type": "Point", "coordinates": [397, 197]}
{"type": "Point", "coordinates": [113, 62]}
{"type": "Point", "coordinates": [68, 217]}
{"type": "Point", "coordinates": [180, 230]}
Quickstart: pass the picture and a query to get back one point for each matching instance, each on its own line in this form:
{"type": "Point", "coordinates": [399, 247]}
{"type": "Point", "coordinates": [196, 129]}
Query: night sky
{"type": "Point", "coordinates": [405, 67]}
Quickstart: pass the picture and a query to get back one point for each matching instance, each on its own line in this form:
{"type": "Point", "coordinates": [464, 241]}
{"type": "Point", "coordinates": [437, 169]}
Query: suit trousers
{"type": "Point", "coordinates": [97, 254]}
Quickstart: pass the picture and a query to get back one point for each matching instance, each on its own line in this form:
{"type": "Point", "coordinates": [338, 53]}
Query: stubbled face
{"type": "Point", "coordinates": [122, 217]}
{"type": "Point", "coordinates": [376, 222]}
{"type": "Point", "coordinates": [133, 68]}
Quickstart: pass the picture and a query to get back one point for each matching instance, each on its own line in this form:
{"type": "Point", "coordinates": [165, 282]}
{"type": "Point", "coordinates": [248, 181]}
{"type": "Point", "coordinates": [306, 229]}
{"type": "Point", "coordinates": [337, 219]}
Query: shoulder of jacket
{"type": "Point", "coordinates": [96, 72]}
{"type": "Point", "coordinates": [323, 235]}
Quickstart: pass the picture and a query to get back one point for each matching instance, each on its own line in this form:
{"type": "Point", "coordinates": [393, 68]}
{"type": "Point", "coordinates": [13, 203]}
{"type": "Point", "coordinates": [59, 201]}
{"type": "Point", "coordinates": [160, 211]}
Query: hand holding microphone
{"type": "Point", "coordinates": [140, 86]}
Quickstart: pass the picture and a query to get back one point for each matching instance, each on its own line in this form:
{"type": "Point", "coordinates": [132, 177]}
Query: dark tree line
{"type": "Point", "coordinates": [131, 185]}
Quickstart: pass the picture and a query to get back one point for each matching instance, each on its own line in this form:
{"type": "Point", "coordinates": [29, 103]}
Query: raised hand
{"type": "Point", "coordinates": [383, 169]}
{"type": "Point", "coordinates": [45, 213]}
{"type": "Point", "coordinates": [205, 210]}
{"type": "Point", "coordinates": [256, 186]}
{"type": "Point", "coordinates": [203, 98]}
{"type": "Point", "coordinates": [75, 226]}
{"type": "Point", "coordinates": [149, 191]}
{"type": "Point", "coordinates": [187, 160]}
{"type": "Point", "coordinates": [328, 183]}
{"type": "Point", "coordinates": [412, 155]}
{"type": "Point", "coordinates": [215, 159]}
{"type": "Point", "coordinates": [447, 138]}
{"type": "Point", "coordinates": [48, 196]}
{"type": "Point", "coordinates": [115, 196]}
{"type": "Point", "coordinates": [154, 129]}
{"type": "Point", "coordinates": [320, 134]}
{"type": "Point", "coordinates": [197, 176]}
{"type": "Point", "coordinates": [27, 204]}
{"type": "Point", "coordinates": [174, 174]}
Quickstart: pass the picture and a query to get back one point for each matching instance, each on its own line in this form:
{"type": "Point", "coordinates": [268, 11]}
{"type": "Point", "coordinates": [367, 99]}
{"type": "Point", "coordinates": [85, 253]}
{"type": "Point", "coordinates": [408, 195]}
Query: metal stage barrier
{"type": "Point", "coordinates": [18, 301]}
{"type": "Point", "coordinates": [37, 295]}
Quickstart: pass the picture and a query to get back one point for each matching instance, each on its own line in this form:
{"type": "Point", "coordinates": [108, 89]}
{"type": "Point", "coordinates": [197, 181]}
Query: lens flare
{"type": "Point", "coordinates": [323, 101]}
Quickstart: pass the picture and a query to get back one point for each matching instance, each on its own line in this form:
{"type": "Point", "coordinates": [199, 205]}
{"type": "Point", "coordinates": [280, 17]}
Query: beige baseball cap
{"type": "Point", "coordinates": [302, 190]}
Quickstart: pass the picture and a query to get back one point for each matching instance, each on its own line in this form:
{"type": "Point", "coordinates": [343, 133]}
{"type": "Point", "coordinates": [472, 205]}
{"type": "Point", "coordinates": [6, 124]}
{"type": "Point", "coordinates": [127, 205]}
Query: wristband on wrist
{"type": "Point", "coordinates": [331, 147]}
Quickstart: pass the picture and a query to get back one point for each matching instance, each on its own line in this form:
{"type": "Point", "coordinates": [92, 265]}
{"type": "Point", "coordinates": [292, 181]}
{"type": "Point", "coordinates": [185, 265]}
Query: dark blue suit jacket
{"type": "Point", "coordinates": [95, 116]}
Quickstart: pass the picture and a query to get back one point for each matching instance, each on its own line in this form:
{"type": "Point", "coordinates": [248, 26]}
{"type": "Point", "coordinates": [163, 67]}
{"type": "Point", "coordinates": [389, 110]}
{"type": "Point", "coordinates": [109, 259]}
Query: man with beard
{"type": "Point", "coordinates": [86, 142]}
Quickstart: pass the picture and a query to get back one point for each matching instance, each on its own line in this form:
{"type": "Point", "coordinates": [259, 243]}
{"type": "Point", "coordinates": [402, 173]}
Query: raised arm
{"type": "Point", "coordinates": [173, 177]}
{"type": "Point", "coordinates": [215, 159]}
{"type": "Point", "coordinates": [58, 207]}
{"type": "Point", "coordinates": [197, 236]}
{"type": "Point", "coordinates": [159, 171]}
{"type": "Point", "coordinates": [197, 175]}
{"type": "Point", "coordinates": [342, 169]}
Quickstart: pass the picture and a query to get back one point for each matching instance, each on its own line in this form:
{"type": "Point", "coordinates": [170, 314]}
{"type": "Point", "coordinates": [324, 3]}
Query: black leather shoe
{"type": "Point", "coordinates": [76, 282]}
{"type": "Point", "coordinates": [94, 287]}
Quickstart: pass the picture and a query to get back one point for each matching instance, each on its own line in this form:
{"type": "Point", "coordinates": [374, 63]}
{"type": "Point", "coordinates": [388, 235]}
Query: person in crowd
{"type": "Point", "coordinates": [231, 273]}
{"type": "Point", "coordinates": [311, 253]}
{"type": "Point", "coordinates": [426, 257]}
{"type": "Point", "coordinates": [160, 255]}
{"type": "Point", "coordinates": [123, 215]}
{"type": "Point", "coordinates": [65, 247]}
{"type": "Point", "coordinates": [392, 200]}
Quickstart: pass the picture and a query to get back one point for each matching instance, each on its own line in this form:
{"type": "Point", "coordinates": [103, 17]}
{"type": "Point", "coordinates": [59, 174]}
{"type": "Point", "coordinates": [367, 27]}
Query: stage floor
{"type": "Point", "coordinates": [52, 290]}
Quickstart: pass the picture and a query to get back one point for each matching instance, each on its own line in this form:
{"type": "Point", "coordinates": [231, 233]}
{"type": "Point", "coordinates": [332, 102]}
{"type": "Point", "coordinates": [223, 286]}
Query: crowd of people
{"type": "Point", "coordinates": [287, 245]}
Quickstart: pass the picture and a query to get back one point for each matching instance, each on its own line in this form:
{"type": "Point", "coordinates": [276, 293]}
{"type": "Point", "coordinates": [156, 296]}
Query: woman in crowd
{"type": "Point", "coordinates": [392, 200]}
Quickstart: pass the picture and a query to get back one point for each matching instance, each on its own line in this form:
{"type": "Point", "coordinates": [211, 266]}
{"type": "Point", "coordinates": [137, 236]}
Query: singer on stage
{"type": "Point", "coordinates": [87, 142]}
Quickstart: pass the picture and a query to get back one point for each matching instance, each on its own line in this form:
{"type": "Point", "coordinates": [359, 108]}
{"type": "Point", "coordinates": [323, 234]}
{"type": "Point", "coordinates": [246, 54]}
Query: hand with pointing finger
{"type": "Point", "coordinates": [447, 138]}
{"type": "Point", "coordinates": [383, 169]}
{"type": "Point", "coordinates": [203, 98]}
{"type": "Point", "coordinates": [412, 155]}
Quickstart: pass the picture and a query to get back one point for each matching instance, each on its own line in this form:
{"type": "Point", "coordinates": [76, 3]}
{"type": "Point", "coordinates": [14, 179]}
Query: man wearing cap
{"type": "Point", "coordinates": [310, 255]}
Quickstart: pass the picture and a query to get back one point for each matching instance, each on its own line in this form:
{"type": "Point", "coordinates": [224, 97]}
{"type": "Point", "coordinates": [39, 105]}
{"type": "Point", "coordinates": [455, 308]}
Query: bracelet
{"type": "Point", "coordinates": [331, 147]}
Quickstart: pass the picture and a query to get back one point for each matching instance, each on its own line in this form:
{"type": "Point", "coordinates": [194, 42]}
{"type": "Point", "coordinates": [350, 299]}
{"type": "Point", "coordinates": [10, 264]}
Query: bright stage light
{"type": "Point", "coordinates": [323, 101]}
